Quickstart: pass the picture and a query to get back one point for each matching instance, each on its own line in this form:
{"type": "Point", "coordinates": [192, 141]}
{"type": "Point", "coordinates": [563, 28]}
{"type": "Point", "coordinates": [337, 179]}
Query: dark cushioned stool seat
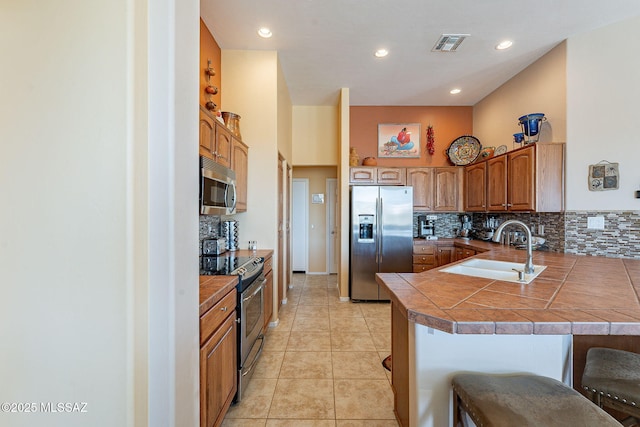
{"type": "Point", "coordinates": [612, 378]}
{"type": "Point", "coordinates": [524, 400]}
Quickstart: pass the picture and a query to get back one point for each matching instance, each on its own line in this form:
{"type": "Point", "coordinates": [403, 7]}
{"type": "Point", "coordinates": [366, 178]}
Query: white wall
{"type": "Point", "coordinates": [315, 135]}
{"type": "Point", "coordinates": [250, 86]}
{"type": "Point", "coordinates": [98, 231]}
{"type": "Point", "coordinates": [603, 90]}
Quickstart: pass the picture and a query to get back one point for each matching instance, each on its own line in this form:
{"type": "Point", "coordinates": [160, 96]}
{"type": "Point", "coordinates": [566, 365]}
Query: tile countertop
{"type": "Point", "coordinates": [213, 288]}
{"type": "Point", "coordinates": [579, 295]}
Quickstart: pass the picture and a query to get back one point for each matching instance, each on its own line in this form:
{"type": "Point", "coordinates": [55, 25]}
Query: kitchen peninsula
{"type": "Point", "coordinates": [444, 323]}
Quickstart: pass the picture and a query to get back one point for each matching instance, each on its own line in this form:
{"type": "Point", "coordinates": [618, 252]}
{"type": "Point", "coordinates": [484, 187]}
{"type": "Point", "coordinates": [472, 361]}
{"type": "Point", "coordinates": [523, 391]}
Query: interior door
{"type": "Point", "coordinates": [332, 228]}
{"type": "Point", "coordinates": [281, 295]}
{"type": "Point", "coordinates": [299, 229]}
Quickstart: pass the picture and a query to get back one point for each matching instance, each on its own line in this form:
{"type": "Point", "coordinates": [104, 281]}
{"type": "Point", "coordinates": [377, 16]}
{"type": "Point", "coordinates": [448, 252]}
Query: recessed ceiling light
{"type": "Point", "coordinates": [455, 91]}
{"type": "Point", "coordinates": [504, 45]}
{"type": "Point", "coordinates": [381, 53]}
{"type": "Point", "coordinates": [265, 32]}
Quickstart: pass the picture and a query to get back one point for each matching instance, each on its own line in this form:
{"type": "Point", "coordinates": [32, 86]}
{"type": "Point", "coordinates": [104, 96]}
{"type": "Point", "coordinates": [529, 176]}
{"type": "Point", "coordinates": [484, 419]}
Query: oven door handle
{"type": "Point", "coordinates": [255, 359]}
{"type": "Point", "coordinates": [258, 289]}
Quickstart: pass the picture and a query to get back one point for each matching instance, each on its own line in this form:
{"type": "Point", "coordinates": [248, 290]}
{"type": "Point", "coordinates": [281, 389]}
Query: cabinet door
{"type": "Point", "coordinates": [392, 176]}
{"type": "Point", "coordinates": [475, 187]}
{"type": "Point", "coordinates": [446, 255]}
{"type": "Point", "coordinates": [218, 373]}
{"type": "Point", "coordinates": [362, 175]}
{"type": "Point", "coordinates": [497, 183]}
{"type": "Point", "coordinates": [268, 300]}
{"type": "Point", "coordinates": [421, 179]}
{"type": "Point", "coordinates": [240, 165]}
{"type": "Point", "coordinates": [222, 153]}
{"type": "Point", "coordinates": [446, 194]}
{"type": "Point", "coordinates": [207, 134]}
{"type": "Point", "coordinates": [521, 179]}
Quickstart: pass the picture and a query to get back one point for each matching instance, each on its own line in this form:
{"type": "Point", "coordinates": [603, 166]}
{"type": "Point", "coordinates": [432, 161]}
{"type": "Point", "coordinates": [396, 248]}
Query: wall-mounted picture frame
{"type": "Point", "coordinates": [399, 140]}
{"type": "Point", "coordinates": [604, 176]}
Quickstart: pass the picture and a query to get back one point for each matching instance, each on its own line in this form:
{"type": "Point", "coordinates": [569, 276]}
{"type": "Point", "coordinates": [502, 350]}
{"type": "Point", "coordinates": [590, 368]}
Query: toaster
{"type": "Point", "coordinates": [214, 246]}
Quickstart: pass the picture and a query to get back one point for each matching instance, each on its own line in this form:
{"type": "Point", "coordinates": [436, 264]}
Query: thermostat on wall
{"type": "Point", "coordinates": [317, 198]}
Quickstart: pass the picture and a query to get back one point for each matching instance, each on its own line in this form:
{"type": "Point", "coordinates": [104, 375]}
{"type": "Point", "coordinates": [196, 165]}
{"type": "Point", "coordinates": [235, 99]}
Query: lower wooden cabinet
{"type": "Point", "coordinates": [218, 352]}
{"type": "Point", "coordinates": [445, 254]}
{"type": "Point", "coordinates": [428, 254]}
{"type": "Point", "coordinates": [462, 253]}
{"type": "Point", "coordinates": [424, 256]}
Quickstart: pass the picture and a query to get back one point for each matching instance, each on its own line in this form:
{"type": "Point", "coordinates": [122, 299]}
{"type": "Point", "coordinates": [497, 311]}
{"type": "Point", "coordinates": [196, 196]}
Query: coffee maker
{"type": "Point", "coordinates": [426, 226]}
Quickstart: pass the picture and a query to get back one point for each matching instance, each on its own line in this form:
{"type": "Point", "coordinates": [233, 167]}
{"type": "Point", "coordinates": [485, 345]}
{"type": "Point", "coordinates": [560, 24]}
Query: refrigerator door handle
{"type": "Point", "coordinates": [379, 229]}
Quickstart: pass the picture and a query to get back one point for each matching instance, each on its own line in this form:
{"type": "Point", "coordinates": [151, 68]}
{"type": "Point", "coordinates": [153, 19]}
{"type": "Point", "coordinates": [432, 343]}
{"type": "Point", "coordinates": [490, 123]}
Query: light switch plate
{"type": "Point", "coordinates": [595, 222]}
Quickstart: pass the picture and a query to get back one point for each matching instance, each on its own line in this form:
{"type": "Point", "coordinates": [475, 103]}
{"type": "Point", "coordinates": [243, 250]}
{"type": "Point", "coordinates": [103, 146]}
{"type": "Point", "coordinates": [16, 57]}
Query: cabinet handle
{"type": "Point", "coordinates": [223, 309]}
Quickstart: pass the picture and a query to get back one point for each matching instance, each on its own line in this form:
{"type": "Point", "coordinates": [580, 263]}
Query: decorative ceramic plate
{"type": "Point", "coordinates": [464, 150]}
{"type": "Point", "coordinates": [500, 150]}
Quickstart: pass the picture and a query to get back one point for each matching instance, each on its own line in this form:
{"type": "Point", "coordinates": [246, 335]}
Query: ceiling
{"type": "Point", "coordinates": [325, 45]}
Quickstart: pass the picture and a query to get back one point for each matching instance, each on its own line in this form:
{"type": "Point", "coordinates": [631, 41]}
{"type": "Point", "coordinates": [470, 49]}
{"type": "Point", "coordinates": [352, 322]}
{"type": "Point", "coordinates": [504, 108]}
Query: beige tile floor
{"type": "Point", "coordinates": [321, 366]}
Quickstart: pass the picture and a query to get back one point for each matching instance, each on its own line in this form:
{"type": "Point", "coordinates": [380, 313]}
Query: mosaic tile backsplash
{"type": "Point", "coordinates": [564, 232]}
{"type": "Point", "coordinates": [619, 239]}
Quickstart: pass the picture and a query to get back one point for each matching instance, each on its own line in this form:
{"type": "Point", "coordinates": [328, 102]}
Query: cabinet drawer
{"type": "Point", "coordinates": [419, 249]}
{"type": "Point", "coordinates": [419, 268]}
{"type": "Point", "coordinates": [213, 318]}
{"type": "Point", "coordinates": [268, 265]}
{"type": "Point", "coordinates": [424, 259]}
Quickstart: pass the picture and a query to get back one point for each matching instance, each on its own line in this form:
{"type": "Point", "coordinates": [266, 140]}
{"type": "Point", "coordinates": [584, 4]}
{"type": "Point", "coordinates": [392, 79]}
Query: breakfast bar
{"type": "Point", "coordinates": [446, 323]}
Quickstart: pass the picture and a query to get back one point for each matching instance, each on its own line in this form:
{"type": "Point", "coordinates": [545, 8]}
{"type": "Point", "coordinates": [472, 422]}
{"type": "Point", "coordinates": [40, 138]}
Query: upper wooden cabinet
{"type": "Point", "coordinates": [207, 134]}
{"type": "Point", "coordinates": [215, 139]}
{"type": "Point", "coordinates": [436, 189]}
{"type": "Point", "coordinates": [527, 179]}
{"type": "Point", "coordinates": [240, 164]}
{"type": "Point", "coordinates": [377, 175]}
{"type": "Point", "coordinates": [474, 187]}
{"type": "Point", "coordinates": [421, 179]}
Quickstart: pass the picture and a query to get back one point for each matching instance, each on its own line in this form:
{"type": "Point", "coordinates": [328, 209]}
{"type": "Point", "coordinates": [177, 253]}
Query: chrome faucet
{"type": "Point", "coordinates": [528, 266]}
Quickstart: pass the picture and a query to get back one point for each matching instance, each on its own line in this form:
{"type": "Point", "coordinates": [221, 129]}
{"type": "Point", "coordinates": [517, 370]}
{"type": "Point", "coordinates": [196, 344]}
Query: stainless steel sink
{"type": "Point", "coordinates": [497, 270]}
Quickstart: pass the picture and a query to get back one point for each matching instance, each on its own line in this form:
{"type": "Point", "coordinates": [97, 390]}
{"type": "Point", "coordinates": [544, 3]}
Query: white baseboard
{"type": "Point", "coordinates": [345, 299]}
{"type": "Point", "coordinates": [274, 324]}
{"type": "Point", "coordinates": [317, 273]}
{"type": "Point", "coordinates": [284, 301]}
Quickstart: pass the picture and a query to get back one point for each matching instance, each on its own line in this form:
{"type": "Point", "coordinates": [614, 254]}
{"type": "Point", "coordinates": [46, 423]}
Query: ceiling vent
{"type": "Point", "coordinates": [449, 42]}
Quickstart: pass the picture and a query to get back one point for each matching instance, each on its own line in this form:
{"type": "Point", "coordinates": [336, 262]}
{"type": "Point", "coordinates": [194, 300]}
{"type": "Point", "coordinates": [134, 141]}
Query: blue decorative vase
{"type": "Point", "coordinates": [531, 123]}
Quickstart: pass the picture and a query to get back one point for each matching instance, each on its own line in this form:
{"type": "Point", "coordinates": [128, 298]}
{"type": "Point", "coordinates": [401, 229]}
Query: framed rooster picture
{"type": "Point", "coordinates": [399, 140]}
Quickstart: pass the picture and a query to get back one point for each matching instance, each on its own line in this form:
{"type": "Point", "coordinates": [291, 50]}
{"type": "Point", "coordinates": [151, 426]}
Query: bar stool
{"type": "Point", "coordinates": [612, 379]}
{"type": "Point", "coordinates": [523, 400]}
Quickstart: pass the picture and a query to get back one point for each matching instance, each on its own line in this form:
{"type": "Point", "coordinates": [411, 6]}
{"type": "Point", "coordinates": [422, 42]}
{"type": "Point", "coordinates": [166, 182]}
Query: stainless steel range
{"type": "Point", "coordinates": [249, 309]}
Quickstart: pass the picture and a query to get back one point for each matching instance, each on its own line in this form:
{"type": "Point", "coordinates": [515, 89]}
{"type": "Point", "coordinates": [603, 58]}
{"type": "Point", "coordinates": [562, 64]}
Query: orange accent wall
{"type": "Point", "coordinates": [209, 49]}
{"type": "Point", "coordinates": [448, 124]}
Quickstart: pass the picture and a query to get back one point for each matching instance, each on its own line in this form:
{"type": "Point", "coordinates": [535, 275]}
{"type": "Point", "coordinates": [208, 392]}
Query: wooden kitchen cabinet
{"type": "Point", "coordinates": [377, 176]}
{"type": "Point", "coordinates": [240, 165]}
{"type": "Point", "coordinates": [207, 135]}
{"type": "Point", "coordinates": [528, 179]}
{"type": "Point", "coordinates": [462, 253]}
{"type": "Point", "coordinates": [448, 189]}
{"type": "Point", "coordinates": [218, 352]}
{"type": "Point", "coordinates": [436, 189]}
{"type": "Point", "coordinates": [424, 255]}
{"type": "Point", "coordinates": [215, 139]}
{"type": "Point", "coordinates": [222, 153]}
{"type": "Point", "coordinates": [475, 182]}
{"type": "Point", "coordinates": [445, 254]}
{"type": "Point", "coordinates": [421, 179]}
{"type": "Point", "coordinates": [268, 292]}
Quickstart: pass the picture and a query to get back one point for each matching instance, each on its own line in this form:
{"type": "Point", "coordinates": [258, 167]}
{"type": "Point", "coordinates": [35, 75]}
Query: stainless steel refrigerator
{"type": "Point", "coordinates": [381, 237]}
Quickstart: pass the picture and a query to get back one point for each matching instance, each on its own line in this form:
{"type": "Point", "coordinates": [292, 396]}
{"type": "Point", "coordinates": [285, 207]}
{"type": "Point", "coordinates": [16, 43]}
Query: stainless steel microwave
{"type": "Point", "coordinates": [217, 188]}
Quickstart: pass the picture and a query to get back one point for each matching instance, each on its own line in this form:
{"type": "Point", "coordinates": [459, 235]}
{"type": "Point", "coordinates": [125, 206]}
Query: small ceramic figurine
{"type": "Point", "coordinates": [353, 157]}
